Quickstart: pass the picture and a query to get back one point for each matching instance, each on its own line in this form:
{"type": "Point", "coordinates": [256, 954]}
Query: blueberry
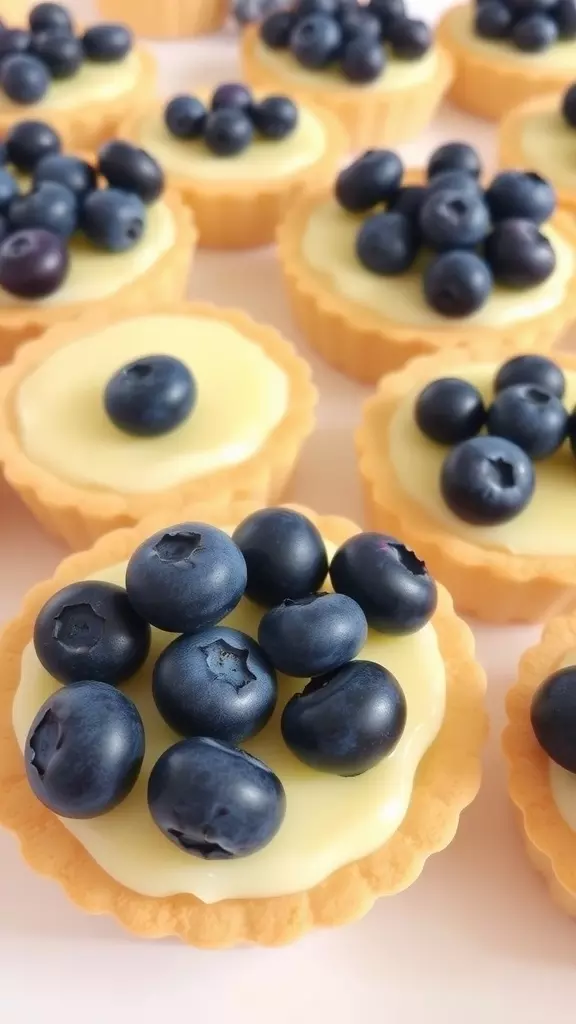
{"type": "Point", "coordinates": [275, 117]}
{"type": "Point", "coordinates": [408, 201]}
{"type": "Point", "coordinates": [49, 17]}
{"type": "Point", "coordinates": [90, 630]}
{"type": "Point", "coordinates": [75, 174]}
{"type": "Point", "coordinates": [410, 38]}
{"type": "Point", "coordinates": [29, 141]}
{"type": "Point", "coordinates": [285, 555]}
{"type": "Point", "coordinates": [33, 263]}
{"type": "Point", "coordinates": [387, 580]}
{"type": "Point", "coordinates": [457, 284]}
{"type": "Point", "coordinates": [450, 410]}
{"type": "Point", "coordinates": [150, 396]}
{"type": "Point", "coordinates": [8, 189]}
{"type": "Point", "coordinates": [531, 417]}
{"type": "Point", "coordinates": [247, 12]}
{"type": "Point", "coordinates": [487, 480]}
{"type": "Point", "coordinates": [186, 577]}
{"type": "Point", "coordinates": [372, 178]}
{"type": "Point", "coordinates": [455, 156]}
{"type": "Point", "coordinates": [553, 717]}
{"type": "Point", "coordinates": [24, 79]}
{"type": "Point", "coordinates": [214, 801]}
{"type": "Point", "coordinates": [63, 55]}
{"type": "Point", "coordinates": [493, 20]}
{"type": "Point", "coordinates": [452, 218]}
{"type": "Point", "coordinates": [232, 94]}
{"type": "Point", "coordinates": [460, 181]}
{"type": "Point", "coordinates": [358, 22]}
{"type": "Point", "coordinates": [569, 106]}
{"type": "Point", "coordinates": [385, 243]}
{"type": "Point", "coordinates": [276, 30]}
{"type": "Point", "coordinates": [346, 721]}
{"type": "Point", "coordinates": [388, 12]}
{"type": "Point", "coordinates": [306, 7]}
{"type": "Point", "coordinates": [216, 683]}
{"type": "Point", "coordinates": [49, 206]}
{"type": "Point", "coordinates": [315, 41]}
{"type": "Point", "coordinates": [534, 33]}
{"type": "Point", "coordinates": [4, 227]}
{"type": "Point", "coordinates": [520, 256]}
{"type": "Point", "coordinates": [3, 153]}
{"type": "Point", "coordinates": [314, 634]}
{"type": "Point", "coordinates": [113, 220]}
{"type": "Point", "coordinates": [521, 194]}
{"type": "Point", "coordinates": [12, 41]}
{"type": "Point", "coordinates": [228, 131]}
{"type": "Point", "coordinates": [565, 18]}
{"type": "Point", "coordinates": [363, 60]}
{"type": "Point", "coordinates": [84, 750]}
{"type": "Point", "coordinates": [131, 169]}
{"type": "Point", "coordinates": [531, 369]}
{"type": "Point", "coordinates": [107, 43]}
{"type": "Point", "coordinates": [185, 117]}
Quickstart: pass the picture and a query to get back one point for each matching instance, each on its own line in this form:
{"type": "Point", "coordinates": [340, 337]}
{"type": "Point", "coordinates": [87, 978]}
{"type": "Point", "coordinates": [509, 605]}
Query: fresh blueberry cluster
{"type": "Point", "coordinates": [216, 686]}
{"type": "Point", "coordinates": [569, 106]}
{"type": "Point", "coordinates": [465, 238]}
{"type": "Point", "coordinates": [529, 25]}
{"type": "Point", "coordinates": [232, 119]}
{"type": "Point", "coordinates": [354, 39]}
{"type": "Point", "coordinates": [49, 49]}
{"type": "Point", "coordinates": [488, 478]}
{"type": "Point", "coordinates": [65, 198]}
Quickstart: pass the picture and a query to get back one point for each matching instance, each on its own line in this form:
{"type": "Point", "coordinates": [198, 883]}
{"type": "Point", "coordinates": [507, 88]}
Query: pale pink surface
{"type": "Point", "coordinates": [476, 938]}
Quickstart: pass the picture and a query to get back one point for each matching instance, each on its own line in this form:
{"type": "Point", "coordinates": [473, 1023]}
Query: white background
{"type": "Point", "coordinates": [475, 939]}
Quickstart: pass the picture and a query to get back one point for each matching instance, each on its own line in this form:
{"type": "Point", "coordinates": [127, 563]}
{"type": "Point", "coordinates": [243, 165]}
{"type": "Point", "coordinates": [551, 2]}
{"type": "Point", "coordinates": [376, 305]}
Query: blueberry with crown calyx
{"type": "Point", "coordinates": [150, 396]}
{"type": "Point", "coordinates": [315, 41]}
{"type": "Point", "coordinates": [107, 43]}
{"type": "Point", "coordinates": [519, 254]}
{"type": "Point", "coordinates": [34, 263]}
{"type": "Point", "coordinates": [521, 194]}
{"type": "Point", "coordinates": [374, 177]}
{"type": "Point", "coordinates": [455, 156]}
{"type": "Point", "coordinates": [24, 79]}
{"type": "Point", "coordinates": [185, 117]}
{"type": "Point", "coordinates": [285, 555]}
{"type": "Point", "coordinates": [531, 417]}
{"type": "Point", "coordinates": [313, 635]}
{"type": "Point", "coordinates": [531, 369]}
{"type": "Point", "coordinates": [553, 717]}
{"type": "Point", "coordinates": [28, 142]}
{"type": "Point", "coordinates": [487, 480]}
{"type": "Point", "coordinates": [450, 410]}
{"type": "Point", "coordinates": [131, 169]}
{"type": "Point", "coordinates": [112, 219]}
{"type": "Point", "coordinates": [451, 218]}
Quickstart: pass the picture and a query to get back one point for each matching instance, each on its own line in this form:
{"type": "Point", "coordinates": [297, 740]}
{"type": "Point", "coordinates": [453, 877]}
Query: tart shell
{"type": "Point", "coordinates": [490, 584]}
{"type": "Point", "coordinates": [165, 281]}
{"type": "Point", "coordinates": [511, 150]}
{"type": "Point", "coordinates": [447, 780]}
{"type": "Point", "coordinates": [79, 515]}
{"type": "Point", "coordinates": [370, 117]}
{"type": "Point", "coordinates": [550, 842]}
{"type": "Point", "coordinates": [363, 344]}
{"type": "Point", "coordinates": [236, 214]}
{"type": "Point", "coordinates": [167, 19]}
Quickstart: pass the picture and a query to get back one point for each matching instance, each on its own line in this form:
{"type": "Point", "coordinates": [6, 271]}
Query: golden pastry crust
{"type": "Point", "coordinates": [488, 583]}
{"type": "Point", "coordinates": [165, 281]}
{"type": "Point", "coordinates": [369, 117]}
{"type": "Point", "coordinates": [360, 342]}
{"type": "Point", "coordinates": [167, 19]}
{"type": "Point", "coordinates": [511, 149]}
{"type": "Point", "coordinates": [80, 515]}
{"type": "Point", "coordinates": [550, 842]}
{"type": "Point", "coordinates": [490, 86]}
{"type": "Point", "coordinates": [93, 123]}
{"type": "Point", "coordinates": [446, 782]}
{"type": "Point", "coordinates": [236, 214]}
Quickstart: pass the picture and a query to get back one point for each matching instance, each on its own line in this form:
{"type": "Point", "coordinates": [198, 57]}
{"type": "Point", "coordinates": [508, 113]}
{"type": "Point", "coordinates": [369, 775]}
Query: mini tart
{"type": "Point", "coordinates": [492, 78]}
{"type": "Point", "coordinates": [234, 212]}
{"type": "Point", "coordinates": [550, 842]}
{"type": "Point", "coordinates": [446, 781]}
{"type": "Point", "coordinates": [370, 116]}
{"type": "Point", "coordinates": [167, 19]}
{"type": "Point", "coordinates": [490, 583]}
{"type": "Point", "coordinates": [80, 514]}
{"type": "Point", "coordinates": [542, 111]}
{"type": "Point", "coordinates": [360, 341]}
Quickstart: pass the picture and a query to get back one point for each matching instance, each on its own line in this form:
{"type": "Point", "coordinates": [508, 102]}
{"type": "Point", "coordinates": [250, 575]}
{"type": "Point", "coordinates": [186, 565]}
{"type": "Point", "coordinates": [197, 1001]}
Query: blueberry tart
{"type": "Point", "coordinates": [169, 19]}
{"type": "Point", "coordinates": [507, 51]}
{"type": "Point", "coordinates": [388, 264]}
{"type": "Point", "coordinates": [473, 452]}
{"type": "Point", "coordinates": [237, 157]}
{"type": "Point", "coordinates": [225, 801]}
{"type": "Point", "coordinates": [379, 70]}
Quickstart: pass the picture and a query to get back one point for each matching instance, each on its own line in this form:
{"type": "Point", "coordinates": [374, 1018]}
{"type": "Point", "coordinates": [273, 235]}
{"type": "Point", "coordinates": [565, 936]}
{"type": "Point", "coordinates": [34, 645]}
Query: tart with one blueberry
{"type": "Point", "coordinates": [169, 19]}
{"type": "Point", "coordinates": [391, 264]}
{"type": "Point", "coordinates": [474, 452]}
{"type": "Point", "coordinates": [82, 80]}
{"type": "Point", "coordinates": [508, 51]}
{"type": "Point", "coordinates": [200, 790]}
{"type": "Point", "coordinates": [236, 157]}
{"type": "Point", "coordinates": [373, 65]}
{"type": "Point", "coordinates": [107, 418]}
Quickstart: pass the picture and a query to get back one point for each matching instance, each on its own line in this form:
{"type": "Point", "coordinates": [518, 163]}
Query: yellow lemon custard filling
{"type": "Point", "coordinates": [542, 132]}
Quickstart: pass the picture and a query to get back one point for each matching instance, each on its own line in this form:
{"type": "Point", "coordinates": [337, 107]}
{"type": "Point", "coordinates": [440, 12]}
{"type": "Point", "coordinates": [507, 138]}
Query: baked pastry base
{"type": "Point", "coordinates": [167, 19]}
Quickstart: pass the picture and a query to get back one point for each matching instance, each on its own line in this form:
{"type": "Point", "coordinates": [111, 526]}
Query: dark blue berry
{"type": "Point", "coordinates": [387, 580]}
{"type": "Point", "coordinates": [534, 33]}
{"type": "Point", "coordinates": [569, 106]}
{"type": "Point", "coordinates": [565, 18]}
{"type": "Point", "coordinates": [385, 243]}
{"type": "Point", "coordinates": [388, 12]}
{"type": "Point", "coordinates": [531, 417]}
{"type": "Point", "coordinates": [408, 201]}
{"type": "Point", "coordinates": [363, 60]}
{"type": "Point", "coordinates": [186, 577]}
{"type": "Point", "coordinates": [49, 206]}
{"type": "Point", "coordinates": [232, 94]}
{"type": "Point", "coordinates": [150, 396]}
{"type": "Point", "coordinates": [214, 801]}
{"type": "Point", "coordinates": [248, 12]}
{"type": "Point", "coordinates": [276, 30]}
{"type": "Point", "coordinates": [531, 369]}
{"type": "Point", "coordinates": [520, 256]}
{"type": "Point", "coordinates": [105, 44]}
{"type": "Point", "coordinates": [553, 717]}
{"type": "Point", "coordinates": [460, 181]}
{"type": "Point", "coordinates": [450, 410]}
{"type": "Point", "coordinates": [132, 169]}
{"type": "Point", "coordinates": [285, 555]}
{"type": "Point", "coordinates": [315, 41]}
{"type": "Point", "coordinates": [62, 54]}
{"type": "Point", "coordinates": [216, 683]}
{"type": "Point", "coordinates": [33, 263]}
{"type": "Point", "coordinates": [3, 153]}
{"type": "Point", "coordinates": [185, 117]}
{"type": "Point", "coordinates": [451, 219]}
{"type": "Point", "coordinates": [228, 131]}
{"type": "Point", "coordinates": [521, 194]}
{"type": "Point", "coordinates": [50, 17]}
{"type": "Point", "coordinates": [75, 174]}
{"type": "Point", "coordinates": [493, 20]}
{"type": "Point", "coordinates": [410, 38]}
{"type": "Point", "coordinates": [4, 227]}
{"type": "Point", "coordinates": [359, 22]}
{"type": "Point", "coordinates": [313, 635]}
{"type": "Point", "coordinates": [346, 721]}
{"type": "Point", "coordinates": [29, 141]}
{"type": "Point", "coordinates": [24, 79]}
{"type": "Point", "coordinates": [275, 117]}
{"type": "Point", "coordinates": [306, 7]}
{"type": "Point", "coordinates": [13, 41]}
{"type": "Point", "coordinates": [8, 189]}
{"type": "Point", "coordinates": [113, 220]}
{"type": "Point", "coordinates": [84, 750]}
{"type": "Point", "coordinates": [457, 283]}
{"type": "Point", "coordinates": [455, 156]}
{"type": "Point", "coordinates": [372, 178]}
{"type": "Point", "coordinates": [487, 480]}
